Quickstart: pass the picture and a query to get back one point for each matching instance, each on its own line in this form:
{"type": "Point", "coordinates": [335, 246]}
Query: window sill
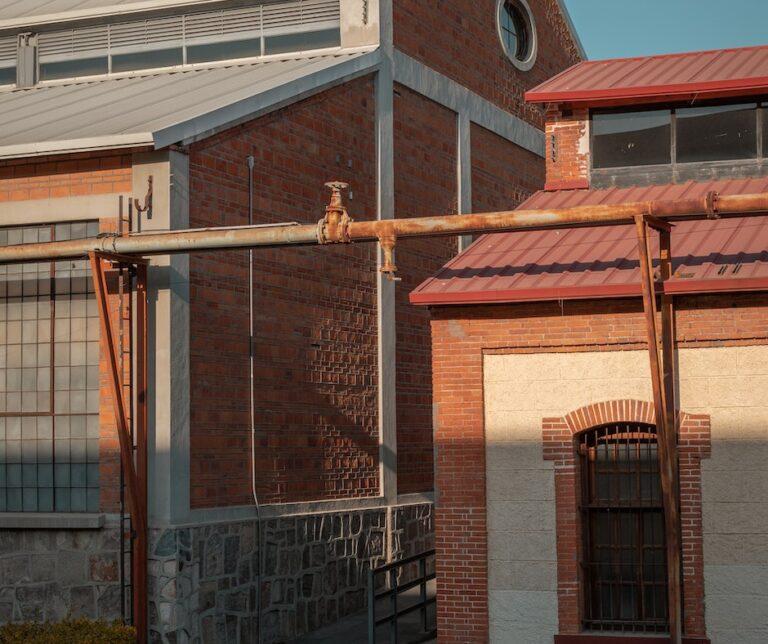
{"type": "Point", "coordinates": [51, 521]}
{"type": "Point", "coordinates": [600, 638]}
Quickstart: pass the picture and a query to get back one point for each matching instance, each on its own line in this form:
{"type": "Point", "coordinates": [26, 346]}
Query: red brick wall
{"type": "Point", "coordinates": [316, 334]}
{"type": "Point", "coordinates": [559, 439]}
{"type": "Point", "coordinates": [567, 149]}
{"type": "Point", "coordinates": [425, 184]}
{"type": "Point", "coordinates": [65, 176]}
{"type": "Point", "coordinates": [459, 39]}
{"type": "Point", "coordinates": [460, 335]}
{"type": "Point", "coordinates": [503, 174]}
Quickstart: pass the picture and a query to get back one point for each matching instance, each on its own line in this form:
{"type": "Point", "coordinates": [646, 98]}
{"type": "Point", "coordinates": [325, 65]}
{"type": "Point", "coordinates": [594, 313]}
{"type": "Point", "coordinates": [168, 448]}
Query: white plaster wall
{"type": "Point", "coordinates": [730, 384]}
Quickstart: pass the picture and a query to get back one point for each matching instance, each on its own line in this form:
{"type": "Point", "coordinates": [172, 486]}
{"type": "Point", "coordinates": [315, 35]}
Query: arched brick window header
{"type": "Point", "coordinates": [613, 411]}
{"type": "Point", "coordinates": [560, 446]}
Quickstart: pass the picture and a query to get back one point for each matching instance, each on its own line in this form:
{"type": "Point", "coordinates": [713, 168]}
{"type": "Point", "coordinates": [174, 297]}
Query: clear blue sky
{"type": "Point", "coordinates": [618, 28]}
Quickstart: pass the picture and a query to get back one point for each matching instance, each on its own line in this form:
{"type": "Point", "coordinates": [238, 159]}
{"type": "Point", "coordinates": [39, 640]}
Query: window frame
{"type": "Point", "coordinates": [525, 10]}
{"type": "Point", "coordinates": [674, 166]}
{"type": "Point", "coordinates": [591, 508]}
{"type": "Point", "coordinates": [633, 110]}
{"type": "Point", "coordinates": [90, 471]}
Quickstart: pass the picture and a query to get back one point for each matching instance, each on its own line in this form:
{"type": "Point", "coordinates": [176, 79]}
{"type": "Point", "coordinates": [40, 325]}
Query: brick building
{"type": "Point", "coordinates": [549, 522]}
{"type": "Point", "coordinates": [168, 111]}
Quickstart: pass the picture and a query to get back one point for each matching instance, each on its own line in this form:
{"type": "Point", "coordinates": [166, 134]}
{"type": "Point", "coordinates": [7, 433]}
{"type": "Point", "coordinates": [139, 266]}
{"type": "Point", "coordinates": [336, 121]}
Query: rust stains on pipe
{"type": "Point", "coordinates": [185, 241]}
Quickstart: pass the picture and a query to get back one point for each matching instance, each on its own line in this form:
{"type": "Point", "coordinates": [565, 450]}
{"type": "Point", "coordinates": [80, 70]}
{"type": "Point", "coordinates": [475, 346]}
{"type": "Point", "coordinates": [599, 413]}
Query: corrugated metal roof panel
{"type": "Point", "coordinates": [132, 110]}
{"type": "Point", "coordinates": [578, 263]}
{"type": "Point", "coordinates": [707, 73]}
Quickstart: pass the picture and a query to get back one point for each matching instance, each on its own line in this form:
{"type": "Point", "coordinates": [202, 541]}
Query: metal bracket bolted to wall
{"type": "Point", "coordinates": [333, 228]}
{"type": "Point", "coordinates": [147, 208]}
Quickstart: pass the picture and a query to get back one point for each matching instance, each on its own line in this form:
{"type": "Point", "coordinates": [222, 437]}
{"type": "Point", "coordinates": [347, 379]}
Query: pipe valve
{"type": "Point", "coordinates": [333, 228]}
{"type": "Point", "coordinates": [388, 268]}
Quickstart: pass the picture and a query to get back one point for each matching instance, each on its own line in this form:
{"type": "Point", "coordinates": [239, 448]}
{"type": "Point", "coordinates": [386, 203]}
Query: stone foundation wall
{"type": "Point", "coordinates": [309, 571]}
{"type": "Point", "coordinates": [47, 575]}
{"type": "Point", "coordinates": [203, 582]}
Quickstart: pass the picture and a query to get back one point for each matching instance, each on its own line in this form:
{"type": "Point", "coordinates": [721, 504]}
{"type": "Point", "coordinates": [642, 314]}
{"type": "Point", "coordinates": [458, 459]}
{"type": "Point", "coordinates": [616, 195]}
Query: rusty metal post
{"type": "Point", "coordinates": [662, 380]}
{"type": "Point", "coordinates": [136, 505]}
{"type": "Point", "coordinates": [140, 554]}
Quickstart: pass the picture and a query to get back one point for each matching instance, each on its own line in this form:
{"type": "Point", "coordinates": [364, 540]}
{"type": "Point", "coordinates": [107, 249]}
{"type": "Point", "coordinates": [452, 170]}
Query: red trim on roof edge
{"type": "Point", "coordinates": [608, 291]}
{"type": "Point", "coordinates": [710, 89]}
{"type": "Point", "coordinates": [567, 184]}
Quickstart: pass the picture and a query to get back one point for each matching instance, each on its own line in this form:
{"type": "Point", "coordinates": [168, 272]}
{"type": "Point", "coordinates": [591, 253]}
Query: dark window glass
{"type": "Point", "coordinates": [7, 76]}
{"type": "Point", "coordinates": [302, 41]}
{"type": "Point", "coordinates": [73, 68]}
{"type": "Point", "coordinates": [765, 130]}
{"type": "Point", "coordinates": [224, 50]}
{"type": "Point", "coordinates": [631, 138]}
{"type": "Point", "coordinates": [147, 59]}
{"type": "Point", "coordinates": [625, 574]}
{"type": "Point", "coordinates": [514, 31]}
{"type": "Point", "coordinates": [716, 132]}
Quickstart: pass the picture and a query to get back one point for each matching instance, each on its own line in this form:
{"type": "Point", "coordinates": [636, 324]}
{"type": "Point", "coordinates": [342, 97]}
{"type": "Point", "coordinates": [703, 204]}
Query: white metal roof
{"type": "Point", "coordinates": [24, 13]}
{"type": "Point", "coordinates": [163, 108]}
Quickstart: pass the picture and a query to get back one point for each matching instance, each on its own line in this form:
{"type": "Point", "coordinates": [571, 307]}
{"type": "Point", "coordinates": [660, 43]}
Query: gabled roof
{"type": "Point", "coordinates": [163, 108]}
{"type": "Point", "coordinates": [15, 14]}
{"type": "Point", "coordinates": [709, 256]}
{"type": "Point", "coordinates": [701, 74]}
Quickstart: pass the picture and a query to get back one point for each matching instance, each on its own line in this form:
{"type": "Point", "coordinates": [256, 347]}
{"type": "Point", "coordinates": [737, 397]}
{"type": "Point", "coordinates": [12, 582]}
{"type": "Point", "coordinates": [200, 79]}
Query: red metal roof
{"type": "Point", "coordinates": [701, 74]}
{"type": "Point", "coordinates": [709, 256]}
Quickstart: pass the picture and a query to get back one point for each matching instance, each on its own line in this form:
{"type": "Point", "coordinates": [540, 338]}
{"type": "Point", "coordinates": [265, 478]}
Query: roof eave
{"type": "Point", "coordinates": [70, 146]}
{"type": "Point", "coordinates": [605, 291]}
{"type": "Point", "coordinates": [660, 93]}
{"type": "Point", "coordinates": [210, 123]}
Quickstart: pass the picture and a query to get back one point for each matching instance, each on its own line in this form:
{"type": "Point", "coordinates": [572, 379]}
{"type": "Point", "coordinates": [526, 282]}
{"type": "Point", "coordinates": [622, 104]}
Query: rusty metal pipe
{"type": "Point", "coordinates": [185, 241]}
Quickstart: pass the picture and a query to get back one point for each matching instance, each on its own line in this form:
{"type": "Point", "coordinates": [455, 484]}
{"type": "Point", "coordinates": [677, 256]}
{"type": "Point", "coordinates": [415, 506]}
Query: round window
{"type": "Point", "coordinates": [517, 31]}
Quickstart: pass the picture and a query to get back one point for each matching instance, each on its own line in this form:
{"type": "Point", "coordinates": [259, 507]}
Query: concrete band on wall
{"type": "Point", "coordinates": [726, 383]}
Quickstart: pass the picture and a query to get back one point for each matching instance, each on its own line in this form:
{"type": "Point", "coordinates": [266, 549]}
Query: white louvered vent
{"type": "Point", "coordinates": [147, 32]}
{"type": "Point", "coordinates": [300, 12]}
{"type": "Point", "coordinates": [222, 23]}
{"type": "Point", "coordinates": [8, 51]}
{"type": "Point", "coordinates": [192, 38]}
{"type": "Point", "coordinates": [74, 41]}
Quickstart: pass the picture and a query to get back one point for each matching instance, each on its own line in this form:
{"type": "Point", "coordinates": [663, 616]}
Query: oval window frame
{"type": "Point", "coordinates": [530, 60]}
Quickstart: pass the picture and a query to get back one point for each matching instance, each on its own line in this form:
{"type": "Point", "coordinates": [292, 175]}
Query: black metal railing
{"type": "Point", "coordinates": [393, 589]}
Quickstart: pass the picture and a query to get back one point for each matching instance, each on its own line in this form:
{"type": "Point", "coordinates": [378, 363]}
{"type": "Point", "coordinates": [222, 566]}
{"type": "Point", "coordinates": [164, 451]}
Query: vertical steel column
{"type": "Point", "coordinates": [137, 502]}
{"type": "Point", "coordinates": [140, 556]}
{"type": "Point", "coordinates": [662, 380]}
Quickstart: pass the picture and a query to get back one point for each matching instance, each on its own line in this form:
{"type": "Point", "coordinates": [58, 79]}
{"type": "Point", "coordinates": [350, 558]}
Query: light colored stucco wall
{"type": "Point", "coordinates": [728, 383]}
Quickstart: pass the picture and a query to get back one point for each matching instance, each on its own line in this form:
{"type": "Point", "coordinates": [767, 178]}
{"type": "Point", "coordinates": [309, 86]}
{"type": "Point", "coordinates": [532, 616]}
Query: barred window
{"type": "Point", "coordinates": [49, 378]}
{"type": "Point", "coordinates": [624, 554]}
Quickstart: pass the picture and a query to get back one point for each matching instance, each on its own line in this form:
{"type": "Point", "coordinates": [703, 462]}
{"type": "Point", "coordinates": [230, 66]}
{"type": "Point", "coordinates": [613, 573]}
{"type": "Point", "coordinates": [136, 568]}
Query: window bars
{"type": "Point", "coordinates": [624, 560]}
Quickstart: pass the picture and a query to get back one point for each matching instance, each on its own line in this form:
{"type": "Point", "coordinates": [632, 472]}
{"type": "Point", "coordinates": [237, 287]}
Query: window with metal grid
{"type": "Point", "coordinates": [229, 33]}
{"type": "Point", "coordinates": [49, 378]}
{"type": "Point", "coordinates": [8, 48]}
{"type": "Point", "coordinates": [624, 556]}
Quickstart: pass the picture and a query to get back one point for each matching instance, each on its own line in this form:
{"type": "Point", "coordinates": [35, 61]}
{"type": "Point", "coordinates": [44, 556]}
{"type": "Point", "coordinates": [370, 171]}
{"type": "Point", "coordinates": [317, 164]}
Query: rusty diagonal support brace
{"type": "Point", "coordinates": [661, 353]}
{"type": "Point", "coordinates": [135, 474]}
